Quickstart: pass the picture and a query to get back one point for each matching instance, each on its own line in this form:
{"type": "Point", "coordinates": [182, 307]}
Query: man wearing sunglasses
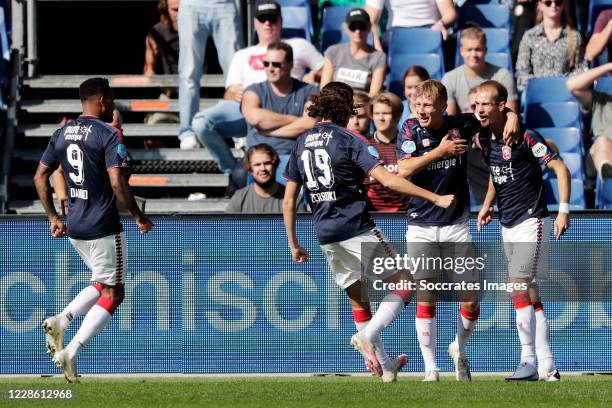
{"type": "Point", "coordinates": [224, 121]}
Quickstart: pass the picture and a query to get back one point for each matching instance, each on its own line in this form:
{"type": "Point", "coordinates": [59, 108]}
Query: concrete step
{"type": "Point", "coordinates": [123, 105]}
{"type": "Point", "coordinates": [120, 81]}
{"type": "Point", "coordinates": [153, 180]}
{"type": "Point", "coordinates": [129, 130]}
{"type": "Point", "coordinates": [166, 154]}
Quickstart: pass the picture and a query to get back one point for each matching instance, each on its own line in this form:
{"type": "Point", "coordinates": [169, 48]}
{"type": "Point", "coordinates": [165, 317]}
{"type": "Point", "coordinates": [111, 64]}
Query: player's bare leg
{"type": "Point", "coordinates": [547, 370]}
{"type": "Point", "coordinates": [526, 326]}
{"type": "Point", "coordinates": [55, 326]}
{"type": "Point", "coordinates": [95, 321]}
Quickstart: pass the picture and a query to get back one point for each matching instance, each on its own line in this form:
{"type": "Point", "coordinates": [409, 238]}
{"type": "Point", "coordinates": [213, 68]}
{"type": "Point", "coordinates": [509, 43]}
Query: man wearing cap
{"type": "Point", "coordinates": [215, 125]}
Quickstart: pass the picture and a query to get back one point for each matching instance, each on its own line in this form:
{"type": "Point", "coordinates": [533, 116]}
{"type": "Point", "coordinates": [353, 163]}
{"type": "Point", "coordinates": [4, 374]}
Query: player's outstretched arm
{"type": "Point", "coordinates": [562, 222]}
{"type": "Point", "coordinates": [404, 186]}
{"type": "Point", "coordinates": [41, 181]}
{"type": "Point", "coordinates": [486, 212]}
{"type": "Point", "coordinates": [512, 129]}
{"type": "Point", "coordinates": [292, 191]}
{"type": "Point", "coordinates": [125, 196]}
{"type": "Point", "coordinates": [446, 148]}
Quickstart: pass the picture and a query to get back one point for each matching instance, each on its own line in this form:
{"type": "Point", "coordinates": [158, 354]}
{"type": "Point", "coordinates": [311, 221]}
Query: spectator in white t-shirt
{"type": "Point", "coordinates": [224, 121]}
{"type": "Point", "coordinates": [355, 63]}
{"type": "Point", "coordinates": [437, 14]}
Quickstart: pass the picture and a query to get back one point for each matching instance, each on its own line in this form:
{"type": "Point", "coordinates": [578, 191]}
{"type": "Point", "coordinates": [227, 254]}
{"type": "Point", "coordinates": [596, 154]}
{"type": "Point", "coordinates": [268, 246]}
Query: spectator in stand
{"type": "Point", "coordinates": [385, 110]}
{"type": "Point", "coordinates": [360, 122]}
{"type": "Point", "coordinates": [601, 37]}
{"type": "Point", "coordinates": [274, 109]}
{"type": "Point", "coordinates": [600, 105]}
{"type": "Point", "coordinates": [413, 77]}
{"type": "Point", "coordinates": [437, 14]}
{"type": "Point", "coordinates": [197, 20]}
{"type": "Point", "coordinates": [356, 63]}
{"type": "Point", "coordinates": [551, 48]}
{"type": "Point", "coordinates": [162, 55]}
{"type": "Point", "coordinates": [474, 71]}
{"type": "Point", "coordinates": [265, 195]}
{"type": "Point", "coordinates": [224, 121]}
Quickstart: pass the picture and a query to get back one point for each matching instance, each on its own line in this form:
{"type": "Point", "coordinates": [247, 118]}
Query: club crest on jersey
{"type": "Point", "coordinates": [506, 152]}
{"type": "Point", "coordinates": [539, 149]}
{"type": "Point", "coordinates": [373, 152]}
{"type": "Point", "coordinates": [122, 151]}
{"type": "Point", "coordinates": [454, 134]}
{"type": "Point", "coordinates": [425, 142]}
{"type": "Point", "coordinates": [408, 146]}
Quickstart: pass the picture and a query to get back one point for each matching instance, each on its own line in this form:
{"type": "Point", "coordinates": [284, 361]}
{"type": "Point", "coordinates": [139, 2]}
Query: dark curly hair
{"type": "Point", "coordinates": [333, 103]}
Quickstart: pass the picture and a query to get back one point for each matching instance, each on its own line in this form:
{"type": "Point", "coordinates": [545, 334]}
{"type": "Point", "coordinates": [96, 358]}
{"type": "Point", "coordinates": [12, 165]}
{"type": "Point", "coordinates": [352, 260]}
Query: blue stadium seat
{"type": "Point", "coordinates": [5, 52]}
{"type": "Point", "coordinates": [573, 162]}
{"type": "Point", "coordinates": [498, 40]}
{"type": "Point", "coordinates": [501, 59]}
{"type": "Point", "coordinates": [568, 140]}
{"type": "Point", "coordinates": [416, 41]}
{"type": "Point", "coordinates": [553, 114]}
{"type": "Point", "coordinates": [577, 201]}
{"type": "Point", "coordinates": [332, 31]}
{"type": "Point", "coordinates": [431, 62]}
{"type": "Point", "coordinates": [548, 89]}
{"type": "Point", "coordinates": [603, 194]}
{"type": "Point", "coordinates": [297, 22]}
{"type": "Point", "coordinates": [293, 3]}
{"type": "Point", "coordinates": [595, 7]}
{"type": "Point", "coordinates": [604, 84]}
{"type": "Point", "coordinates": [485, 16]}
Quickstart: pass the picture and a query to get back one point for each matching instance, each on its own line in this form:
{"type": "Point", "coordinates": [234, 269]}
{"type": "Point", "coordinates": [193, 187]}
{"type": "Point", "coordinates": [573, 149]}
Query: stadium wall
{"type": "Point", "coordinates": [219, 294]}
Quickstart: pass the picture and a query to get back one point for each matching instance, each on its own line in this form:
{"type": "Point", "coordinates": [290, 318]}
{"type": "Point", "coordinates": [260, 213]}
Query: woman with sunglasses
{"type": "Point", "coordinates": [551, 48]}
{"type": "Point", "coordinates": [356, 64]}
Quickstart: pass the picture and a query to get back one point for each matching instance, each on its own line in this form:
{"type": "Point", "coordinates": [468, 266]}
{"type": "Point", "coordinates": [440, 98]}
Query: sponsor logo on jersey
{"type": "Point", "coordinates": [506, 152]}
{"type": "Point", "coordinates": [414, 215]}
{"type": "Point", "coordinates": [539, 149]}
{"type": "Point", "coordinates": [318, 139]}
{"type": "Point", "coordinates": [408, 146]}
{"type": "Point", "coordinates": [122, 151]}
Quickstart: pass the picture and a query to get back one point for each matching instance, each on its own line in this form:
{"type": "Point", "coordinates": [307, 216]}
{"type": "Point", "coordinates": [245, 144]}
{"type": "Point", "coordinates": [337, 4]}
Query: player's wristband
{"type": "Point", "coordinates": [564, 208]}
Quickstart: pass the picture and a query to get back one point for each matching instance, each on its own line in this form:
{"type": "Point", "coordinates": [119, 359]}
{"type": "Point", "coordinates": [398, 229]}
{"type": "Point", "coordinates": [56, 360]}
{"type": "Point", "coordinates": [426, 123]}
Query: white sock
{"type": "Point", "coordinates": [388, 310]}
{"type": "Point", "coordinates": [95, 321]}
{"type": "Point", "coordinates": [546, 361]}
{"type": "Point", "coordinates": [426, 333]}
{"type": "Point", "coordinates": [381, 355]}
{"type": "Point", "coordinates": [525, 325]}
{"type": "Point", "coordinates": [465, 328]}
{"type": "Point", "coordinates": [79, 306]}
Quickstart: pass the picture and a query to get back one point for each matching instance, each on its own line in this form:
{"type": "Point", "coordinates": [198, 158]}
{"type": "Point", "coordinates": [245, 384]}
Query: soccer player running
{"type": "Point", "coordinates": [332, 163]}
{"type": "Point", "coordinates": [432, 151]}
{"type": "Point", "coordinates": [93, 158]}
{"type": "Point", "coordinates": [516, 181]}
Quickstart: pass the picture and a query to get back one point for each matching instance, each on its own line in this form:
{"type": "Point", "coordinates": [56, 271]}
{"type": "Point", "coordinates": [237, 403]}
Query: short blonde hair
{"type": "Point", "coordinates": [434, 89]}
{"type": "Point", "coordinates": [389, 99]}
{"type": "Point", "coordinates": [474, 33]}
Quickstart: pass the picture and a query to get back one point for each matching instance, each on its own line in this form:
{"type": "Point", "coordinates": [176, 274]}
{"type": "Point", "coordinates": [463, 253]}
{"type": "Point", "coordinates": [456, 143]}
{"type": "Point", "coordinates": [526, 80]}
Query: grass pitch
{"type": "Point", "coordinates": [266, 392]}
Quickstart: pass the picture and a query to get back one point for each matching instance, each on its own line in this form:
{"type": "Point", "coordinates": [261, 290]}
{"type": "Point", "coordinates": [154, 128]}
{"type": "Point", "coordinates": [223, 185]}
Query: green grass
{"type": "Point", "coordinates": [267, 392]}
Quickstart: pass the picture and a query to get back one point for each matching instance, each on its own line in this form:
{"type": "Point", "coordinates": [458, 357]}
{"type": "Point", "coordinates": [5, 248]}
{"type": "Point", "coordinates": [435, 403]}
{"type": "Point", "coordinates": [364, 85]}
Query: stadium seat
{"type": "Point", "coordinates": [568, 140]}
{"type": "Point", "coordinates": [577, 201]}
{"type": "Point", "coordinates": [553, 114]}
{"type": "Point", "coordinates": [5, 51]}
{"type": "Point", "coordinates": [431, 62]}
{"type": "Point", "coordinates": [293, 3]}
{"type": "Point", "coordinates": [603, 194]}
{"type": "Point", "coordinates": [332, 31]}
{"type": "Point", "coordinates": [485, 16]}
{"type": "Point", "coordinates": [415, 41]}
{"type": "Point", "coordinates": [548, 89]}
{"type": "Point", "coordinates": [297, 22]}
{"type": "Point", "coordinates": [501, 59]}
{"type": "Point", "coordinates": [604, 84]}
{"type": "Point", "coordinates": [498, 40]}
{"type": "Point", "coordinates": [573, 162]}
{"type": "Point", "coordinates": [595, 7]}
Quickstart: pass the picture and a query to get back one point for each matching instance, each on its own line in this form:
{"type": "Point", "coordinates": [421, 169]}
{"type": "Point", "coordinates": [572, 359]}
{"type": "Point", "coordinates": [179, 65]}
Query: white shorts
{"type": "Point", "coordinates": [527, 248]}
{"type": "Point", "coordinates": [106, 257]}
{"type": "Point", "coordinates": [347, 257]}
{"type": "Point", "coordinates": [440, 241]}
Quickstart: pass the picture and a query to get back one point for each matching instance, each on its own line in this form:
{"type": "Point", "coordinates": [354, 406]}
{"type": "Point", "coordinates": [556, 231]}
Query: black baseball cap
{"type": "Point", "coordinates": [267, 8]}
{"type": "Point", "coordinates": [357, 15]}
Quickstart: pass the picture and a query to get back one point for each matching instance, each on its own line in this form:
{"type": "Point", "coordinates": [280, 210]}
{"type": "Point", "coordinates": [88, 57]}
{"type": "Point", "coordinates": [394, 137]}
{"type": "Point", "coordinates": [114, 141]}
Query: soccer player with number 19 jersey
{"type": "Point", "coordinates": [516, 181]}
{"type": "Point", "coordinates": [93, 158]}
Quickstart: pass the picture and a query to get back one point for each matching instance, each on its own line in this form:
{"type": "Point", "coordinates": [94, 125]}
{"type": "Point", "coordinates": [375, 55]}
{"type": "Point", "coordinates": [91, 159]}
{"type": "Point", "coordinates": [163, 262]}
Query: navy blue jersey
{"type": "Point", "coordinates": [444, 176]}
{"type": "Point", "coordinates": [517, 175]}
{"type": "Point", "coordinates": [332, 163]}
{"type": "Point", "coordinates": [86, 149]}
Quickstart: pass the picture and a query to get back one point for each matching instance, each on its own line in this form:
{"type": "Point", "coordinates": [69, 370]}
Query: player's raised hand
{"type": "Point", "coordinates": [512, 130]}
{"type": "Point", "coordinates": [58, 229]}
{"type": "Point", "coordinates": [484, 217]}
{"type": "Point", "coordinates": [445, 201]}
{"type": "Point", "coordinates": [562, 224]}
{"type": "Point", "coordinates": [449, 147]}
{"type": "Point", "coordinates": [299, 254]}
{"type": "Point", "coordinates": [144, 224]}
